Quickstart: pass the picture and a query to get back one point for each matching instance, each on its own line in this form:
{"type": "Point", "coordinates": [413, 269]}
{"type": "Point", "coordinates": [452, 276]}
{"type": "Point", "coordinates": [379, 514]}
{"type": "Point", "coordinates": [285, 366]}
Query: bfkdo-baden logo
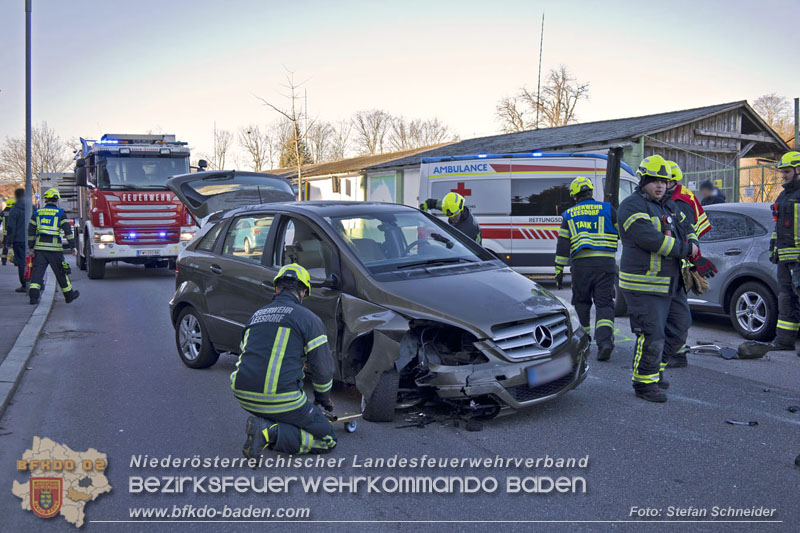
{"type": "Point", "coordinates": [46, 495]}
{"type": "Point", "coordinates": [62, 480]}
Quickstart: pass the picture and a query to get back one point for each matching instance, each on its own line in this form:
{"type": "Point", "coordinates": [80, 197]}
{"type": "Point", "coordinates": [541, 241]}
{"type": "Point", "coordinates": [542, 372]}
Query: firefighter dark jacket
{"type": "Point", "coordinates": [277, 341]}
{"type": "Point", "coordinates": [45, 229]}
{"type": "Point", "coordinates": [651, 259]}
{"type": "Point", "coordinates": [786, 212]}
{"type": "Point", "coordinates": [468, 226]}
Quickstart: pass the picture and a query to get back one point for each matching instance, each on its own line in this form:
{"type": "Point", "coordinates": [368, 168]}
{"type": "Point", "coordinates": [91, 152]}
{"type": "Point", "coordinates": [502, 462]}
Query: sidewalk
{"type": "Point", "coordinates": [14, 309]}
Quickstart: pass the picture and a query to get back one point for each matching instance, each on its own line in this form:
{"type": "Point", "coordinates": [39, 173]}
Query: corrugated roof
{"type": "Point", "coordinates": [604, 131]}
{"type": "Point", "coordinates": [353, 164]}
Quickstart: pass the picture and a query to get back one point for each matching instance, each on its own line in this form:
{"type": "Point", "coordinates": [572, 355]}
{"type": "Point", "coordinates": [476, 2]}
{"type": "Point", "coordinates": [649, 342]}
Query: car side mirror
{"type": "Point", "coordinates": [331, 282]}
{"type": "Point", "coordinates": [80, 173]}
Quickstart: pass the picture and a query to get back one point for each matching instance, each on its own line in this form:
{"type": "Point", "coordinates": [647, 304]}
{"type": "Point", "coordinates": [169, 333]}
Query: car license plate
{"type": "Point", "coordinates": [148, 252]}
{"type": "Point", "coordinates": [549, 371]}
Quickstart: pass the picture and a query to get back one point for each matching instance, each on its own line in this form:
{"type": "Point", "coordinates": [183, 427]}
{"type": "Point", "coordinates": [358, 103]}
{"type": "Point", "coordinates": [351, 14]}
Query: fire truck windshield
{"type": "Point", "coordinates": [134, 172]}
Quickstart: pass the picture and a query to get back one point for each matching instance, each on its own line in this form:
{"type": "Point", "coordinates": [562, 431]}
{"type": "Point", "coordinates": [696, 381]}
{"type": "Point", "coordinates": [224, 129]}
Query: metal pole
{"type": "Point", "coordinates": [796, 123]}
{"type": "Point", "coordinates": [28, 182]}
{"type": "Point", "coordinates": [539, 81]}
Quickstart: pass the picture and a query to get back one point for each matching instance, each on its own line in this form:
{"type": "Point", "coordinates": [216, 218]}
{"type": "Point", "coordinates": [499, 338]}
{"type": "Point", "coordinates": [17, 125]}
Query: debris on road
{"type": "Point", "coordinates": [741, 422]}
{"type": "Point", "coordinates": [712, 349]}
{"type": "Point", "coordinates": [753, 350]}
{"type": "Point", "coordinates": [793, 408]}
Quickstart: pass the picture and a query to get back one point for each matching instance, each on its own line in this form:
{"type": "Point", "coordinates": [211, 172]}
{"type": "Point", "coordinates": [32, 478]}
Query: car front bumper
{"type": "Point", "coordinates": [507, 382]}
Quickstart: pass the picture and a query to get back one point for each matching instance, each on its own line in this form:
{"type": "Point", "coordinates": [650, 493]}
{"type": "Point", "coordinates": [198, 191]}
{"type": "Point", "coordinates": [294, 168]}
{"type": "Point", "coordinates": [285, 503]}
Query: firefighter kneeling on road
{"type": "Point", "coordinates": [44, 244]}
{"type": "Point", "coordinates": [588, 238]}
{"type": "Point", "coordinates": [654, 243]}
{"type": "Point", "coordinates": [268, 380]}
{"type": "Point", "coordinates": [457, 212]}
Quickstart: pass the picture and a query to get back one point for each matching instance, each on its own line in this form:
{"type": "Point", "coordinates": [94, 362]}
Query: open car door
{"type": "Point", "coordinates": [204, 193]}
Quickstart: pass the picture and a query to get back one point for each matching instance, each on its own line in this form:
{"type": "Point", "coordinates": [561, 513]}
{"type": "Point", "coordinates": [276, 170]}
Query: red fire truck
{"type": "Point", "coordinates": [125, 211]}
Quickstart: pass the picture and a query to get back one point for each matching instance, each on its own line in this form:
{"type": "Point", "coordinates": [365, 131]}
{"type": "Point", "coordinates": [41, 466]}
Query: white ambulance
{"type": "Point", "coordinates": [518, 198]}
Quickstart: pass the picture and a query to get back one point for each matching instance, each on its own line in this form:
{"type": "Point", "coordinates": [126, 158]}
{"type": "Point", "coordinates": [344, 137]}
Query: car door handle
{"type": "Point", "coordinates": [216, 269]}
{"type": "Point", "coordinates": [733, 251]}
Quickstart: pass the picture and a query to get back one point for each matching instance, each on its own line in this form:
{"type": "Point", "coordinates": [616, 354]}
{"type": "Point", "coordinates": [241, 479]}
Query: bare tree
{"type": "Point", "coordinates": [371, 128]}
{"type": "Point", "coordinates": [299, 126]}
{"type": "Point", "coordinates": [320, 139]}
{"type": "Point", "coordinates": [777, 112]}
{"type": "Point", "coordinates": [555, 104]}
{"type": "Point", "coordinates": [406, 135]}
{"type": "Point", "coordinates": [222, 143]}
{"type": "Point", "coordinates": [48, 154]}
{"type": "Point", "coordinates": [340, 139]}
{"type": "Point", "coordinates": [258, 145]}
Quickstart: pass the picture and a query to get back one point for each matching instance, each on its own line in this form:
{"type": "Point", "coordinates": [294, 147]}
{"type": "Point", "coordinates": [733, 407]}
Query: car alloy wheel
{"type": "Point", "coordinates": [190, 337]}
{"type": "Point", "coordinates": [751, 312]}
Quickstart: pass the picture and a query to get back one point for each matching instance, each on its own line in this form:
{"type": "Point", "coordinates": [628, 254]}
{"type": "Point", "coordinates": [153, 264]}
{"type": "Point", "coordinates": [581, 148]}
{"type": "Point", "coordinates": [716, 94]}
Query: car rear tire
{"type": "Point", "coordinates": [95, 268]}
{"type": "Point", "coordinates": [247, 247]}
{"type": "Point", "coordinates": [381, 405]}
{"type": "Point", "coordinates": [192, 341]}
{"type": "Point", "coordinates": [754, 311]}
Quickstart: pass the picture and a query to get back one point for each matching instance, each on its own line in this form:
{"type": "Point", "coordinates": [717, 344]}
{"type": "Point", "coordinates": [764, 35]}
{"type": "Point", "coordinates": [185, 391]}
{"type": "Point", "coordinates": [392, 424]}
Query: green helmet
{"type": "Point", "coordinates": [579, 185]}
{"type": "Point", "coordinates": [452, 204]}
{"type": "Point", "coordinates": [789, 159]}
{"type": "Point", "coordinates": [52, 194]}
{"type": "Point", "coordinates": [675, 170]}
{"type": "Point", "coordinates": [654, 166]}
{"type": "Point", "coordinates": [296, 272]}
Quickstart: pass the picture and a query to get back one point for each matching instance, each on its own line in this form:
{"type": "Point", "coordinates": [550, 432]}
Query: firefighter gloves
{"type": "Point", "coordinates": [705, 267]}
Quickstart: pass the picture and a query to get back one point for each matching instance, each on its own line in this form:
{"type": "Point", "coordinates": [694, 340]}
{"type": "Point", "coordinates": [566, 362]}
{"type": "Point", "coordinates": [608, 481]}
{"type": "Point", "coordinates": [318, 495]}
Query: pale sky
{"type": "Point", "coordinates": [179, 66]}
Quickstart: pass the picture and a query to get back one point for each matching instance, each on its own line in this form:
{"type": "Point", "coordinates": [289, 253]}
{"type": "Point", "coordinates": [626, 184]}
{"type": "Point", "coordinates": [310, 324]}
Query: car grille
{"type": "Point", "coordinates": [524, 393]}
{"type": "Point", "coordinates": [537, 337]}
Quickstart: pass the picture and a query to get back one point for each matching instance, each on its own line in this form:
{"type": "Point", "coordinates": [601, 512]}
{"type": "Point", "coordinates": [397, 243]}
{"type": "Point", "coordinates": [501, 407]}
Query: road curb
{"type": "Point", "coordinates": [14, 364]}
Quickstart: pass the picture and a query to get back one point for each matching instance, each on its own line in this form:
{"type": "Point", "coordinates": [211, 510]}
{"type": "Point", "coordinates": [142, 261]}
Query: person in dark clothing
{"type": "Point", "coordinates": [16, 235]}
{"type": "Point", "coordinates": [655, 241]}
{"type": "Point", "coordinates": [44, 244]}
{"type": "Point", "coordinates": [278, 341]}
{"type": "Point", "coordinates": [588, 239]}
{"type": "Point", "coordinates": [458, 214]}
{"type": "Point", "coordinates": [784, 250]}
{"type": "Point", "coordinates": [710, 195]}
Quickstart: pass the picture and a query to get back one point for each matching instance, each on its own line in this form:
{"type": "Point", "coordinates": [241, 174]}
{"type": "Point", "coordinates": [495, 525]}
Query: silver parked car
{"type": "Point", "coordinates": [746, 287]}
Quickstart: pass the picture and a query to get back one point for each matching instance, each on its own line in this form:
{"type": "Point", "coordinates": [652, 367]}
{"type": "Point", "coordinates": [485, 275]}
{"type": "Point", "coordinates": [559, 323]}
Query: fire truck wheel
{"type": "Point", "coordinates": [191, 338]}
{"type": "Point", "coordinates": [95, 268]}
{"type": "Point", "coordinates": [81, 253]}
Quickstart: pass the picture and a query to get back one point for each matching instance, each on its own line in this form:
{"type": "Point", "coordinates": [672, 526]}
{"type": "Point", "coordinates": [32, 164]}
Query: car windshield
{"type": "Point", "coordinates": [386, 242]}
{"type": "Point", "coordinates": [134, 172]}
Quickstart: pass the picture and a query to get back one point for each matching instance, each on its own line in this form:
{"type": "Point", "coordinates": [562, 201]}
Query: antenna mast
{"type": "Point", "coordinates": [539, 80]}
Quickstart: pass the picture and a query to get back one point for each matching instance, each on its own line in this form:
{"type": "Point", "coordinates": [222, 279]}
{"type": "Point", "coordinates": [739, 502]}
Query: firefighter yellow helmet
{"type": "Point", "coordinates": [789, 159]}
{"type": "Point", "coordinates": [654, 166]}
{"type": "Point", "coordinates": [10, 202]}
{"type": "Point", "coordinates": [675, 171]}
{"type": "Point", "coordinates": [296, 272]}
{"type": "Point", "coordinates": [52, 194]}
{"type": "Point", "coordinates": [452, 204]}
{"type": "Point", "coordinates": [579, 185]}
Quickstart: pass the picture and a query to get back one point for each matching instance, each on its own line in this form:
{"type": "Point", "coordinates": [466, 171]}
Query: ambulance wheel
{"type": "Point", "coordinates": [381, 404]}
{"type": "Point", "coordinates": [351, 426]}
{"type": "Point", "coordinates": [192, 341]}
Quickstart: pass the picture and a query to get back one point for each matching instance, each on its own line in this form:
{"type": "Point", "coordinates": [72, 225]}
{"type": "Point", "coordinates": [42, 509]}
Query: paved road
{"type": "Point", "coordinates": [106, 376]}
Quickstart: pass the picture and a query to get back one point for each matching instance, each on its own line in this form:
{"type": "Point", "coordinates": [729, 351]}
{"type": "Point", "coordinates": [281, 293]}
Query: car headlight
{"type": "Point", "coordinates": [573, 315]}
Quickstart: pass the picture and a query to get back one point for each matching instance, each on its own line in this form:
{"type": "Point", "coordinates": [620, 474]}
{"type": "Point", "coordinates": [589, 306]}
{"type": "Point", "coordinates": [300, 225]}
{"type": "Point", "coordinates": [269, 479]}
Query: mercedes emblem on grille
{"type": "Point", "coordinates": [543, 336]}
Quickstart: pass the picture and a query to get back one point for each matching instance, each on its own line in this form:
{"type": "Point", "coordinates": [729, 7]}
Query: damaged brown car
{"type": "Point", "coordinates": [415, 311]}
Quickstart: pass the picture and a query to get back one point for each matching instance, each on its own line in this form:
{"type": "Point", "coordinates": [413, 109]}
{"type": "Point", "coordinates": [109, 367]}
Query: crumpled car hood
{"type": "Point", "coordinates": [475, 301]}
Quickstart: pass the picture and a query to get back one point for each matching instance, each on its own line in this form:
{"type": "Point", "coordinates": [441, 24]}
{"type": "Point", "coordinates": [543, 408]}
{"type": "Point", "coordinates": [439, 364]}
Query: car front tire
{"type": "Point", "coordinates": [754, 311]}
{"type": "Point", "coordinates": [192, 341]}
{"type": "Point", "coordinates": [381, 404]}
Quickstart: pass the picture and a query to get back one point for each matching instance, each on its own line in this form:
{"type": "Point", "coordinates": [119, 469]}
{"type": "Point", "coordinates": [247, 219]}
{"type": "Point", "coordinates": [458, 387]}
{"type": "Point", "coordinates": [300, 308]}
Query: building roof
{"type": "Point", "coordinates": [354, 164]}
{"type": "Point", "coordinates": [580, 137]}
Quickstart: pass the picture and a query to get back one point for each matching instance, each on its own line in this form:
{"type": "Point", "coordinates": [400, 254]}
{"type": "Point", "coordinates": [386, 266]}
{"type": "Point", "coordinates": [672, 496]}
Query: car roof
{"type": "Point", "coordinates": [761, 211]}
{"type": "Point", "coordinates": [325, 208]}
{"type": "Point", "coordinates": [212, 173]}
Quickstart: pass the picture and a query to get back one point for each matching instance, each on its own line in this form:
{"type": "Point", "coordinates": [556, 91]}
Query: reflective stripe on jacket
{"type": "Point", "coordinates": [650, 259]}
{"type": "Point", "coordinates": [46, 227]}
{"type": "Point", "coordinates": [588, 229]}
{"type": "Point", "coordinates": [786, 211]}
{"type": "Point", "coordinates": [276, 343]}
